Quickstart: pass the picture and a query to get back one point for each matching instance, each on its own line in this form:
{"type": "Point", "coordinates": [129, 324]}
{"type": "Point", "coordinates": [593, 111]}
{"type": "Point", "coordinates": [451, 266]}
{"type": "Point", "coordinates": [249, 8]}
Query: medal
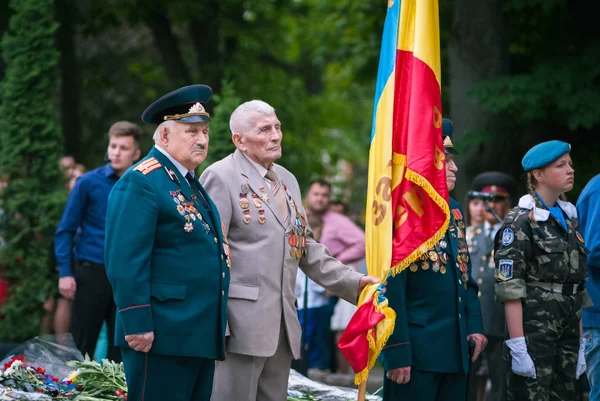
{"type": "Point", "coordinates": [188, 227]}
{"type": "Point", "coordinates": [181, 210]}
{"type": "Point", "coordinates": [425, 265]}
{"type": "Point", "coordinates": [262, 219]}
{"type": "Point", "coordinates": [244, 203]}
{"type": "Point", "coordinates": [435, 267]}
{"type": "Point", "coordinates": [292, 240]}
{"type": "Point", "coordinates": [443, 269]}
{"type": "Point", "coordinates": [247, 219]}
{"type": "Point", "coordinates": [413, 267]}
{"type": "Point", "coordinates": [257, 203]}
{"type": "Point", "coordinates": [433, 256]}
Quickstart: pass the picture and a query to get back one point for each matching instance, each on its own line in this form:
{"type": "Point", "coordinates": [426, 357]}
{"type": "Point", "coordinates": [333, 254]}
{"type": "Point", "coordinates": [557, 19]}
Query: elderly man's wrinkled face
{"type": "Point", "coordinates": [262, 143]}
{"type": "Point", "coordinates": [186, 143]}
{"type": "Point", "coordinates": [451, 170]}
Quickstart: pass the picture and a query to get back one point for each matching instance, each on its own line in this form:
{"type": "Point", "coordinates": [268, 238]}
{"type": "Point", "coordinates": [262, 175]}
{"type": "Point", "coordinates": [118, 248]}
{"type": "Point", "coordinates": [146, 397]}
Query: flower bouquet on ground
{"type": "Point", "coordinates": [100, 381]}
{"type": "Point", "coordinates": [21, 381]}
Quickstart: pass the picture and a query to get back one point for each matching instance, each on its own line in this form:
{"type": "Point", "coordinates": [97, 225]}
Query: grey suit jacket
{"type": "Point", "coordinates": [481, 249]}
{"type": "Point", "coordinates": [263, 273]}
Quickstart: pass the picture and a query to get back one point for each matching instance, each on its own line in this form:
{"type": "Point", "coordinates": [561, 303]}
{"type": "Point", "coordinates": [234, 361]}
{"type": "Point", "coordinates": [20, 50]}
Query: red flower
{"type": "Point", "coordinates": [55, 379]}
{"type": "Point", "coordinates": [40, 371]}
{"type": "Point", "coordinates": [20, 358]}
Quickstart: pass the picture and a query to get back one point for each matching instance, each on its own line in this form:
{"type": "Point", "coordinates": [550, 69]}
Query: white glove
{"type": "Point", "coordinates": [581, 366]}
{"type": "Point", "coordinates": [522, 364]}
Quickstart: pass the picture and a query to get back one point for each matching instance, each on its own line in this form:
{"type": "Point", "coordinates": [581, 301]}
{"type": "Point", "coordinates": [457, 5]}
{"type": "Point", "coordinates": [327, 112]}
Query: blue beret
{"type": "Point", "coordinates": [183, 105]}
{"type": "Point", "coordinates": [543, 154]}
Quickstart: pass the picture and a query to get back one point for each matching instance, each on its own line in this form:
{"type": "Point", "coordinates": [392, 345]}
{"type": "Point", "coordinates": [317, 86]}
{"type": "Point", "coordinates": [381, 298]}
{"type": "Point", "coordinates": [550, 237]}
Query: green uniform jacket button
{"type": "Point", "coordinates": [222, 293]}
{"type": "Point", "coordinates": [216, 240]}
{"type": "Point", "coordinates": [223, 275]}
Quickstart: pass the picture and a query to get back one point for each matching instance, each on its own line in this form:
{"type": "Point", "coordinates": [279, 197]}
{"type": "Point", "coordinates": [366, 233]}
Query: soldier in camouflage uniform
{"type": "Point", "coordinates": [498, 189]}
{"type": "Point", "coordinates": [541, 268]}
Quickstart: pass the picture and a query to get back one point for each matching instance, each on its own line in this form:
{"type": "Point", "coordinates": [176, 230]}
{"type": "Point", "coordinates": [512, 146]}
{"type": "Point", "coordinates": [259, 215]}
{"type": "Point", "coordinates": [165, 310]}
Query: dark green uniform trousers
{"type": "Point", "coordinates": [152, 377]}
{"type": "Point", "coordinates": [427, 386]}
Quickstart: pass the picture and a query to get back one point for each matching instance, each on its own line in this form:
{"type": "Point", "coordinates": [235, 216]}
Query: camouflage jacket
{"type": "Point", "coordinates": [538, 249]}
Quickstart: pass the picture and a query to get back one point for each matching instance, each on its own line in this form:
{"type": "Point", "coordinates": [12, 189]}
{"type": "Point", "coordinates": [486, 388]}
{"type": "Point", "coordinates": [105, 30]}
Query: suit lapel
{"type": "Point", "coordinates": [256, 183]}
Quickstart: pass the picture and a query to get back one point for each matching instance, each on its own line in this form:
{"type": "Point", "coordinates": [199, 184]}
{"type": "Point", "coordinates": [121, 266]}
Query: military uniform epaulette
{"type": "Point", "coordinates": [148, 166]}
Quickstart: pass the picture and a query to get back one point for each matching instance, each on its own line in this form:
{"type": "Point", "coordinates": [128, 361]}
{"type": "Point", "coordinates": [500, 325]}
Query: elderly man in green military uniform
{"type": "Point", "coordinates": [167, 259]}
{"type": "Point", "coordinates": [438, 312]}
{"type": "Point", "coordinates": [497, 189]}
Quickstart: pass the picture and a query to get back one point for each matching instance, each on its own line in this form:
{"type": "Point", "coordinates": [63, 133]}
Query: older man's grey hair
{"type": "Point", "coordinates": [169, 124]}
{"type": "Point", "coordinates": [240, 120]}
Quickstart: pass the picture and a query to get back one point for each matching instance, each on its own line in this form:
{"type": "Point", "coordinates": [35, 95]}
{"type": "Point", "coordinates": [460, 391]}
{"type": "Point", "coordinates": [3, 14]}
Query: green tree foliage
{"type": "Point", "coordinates": [220, 135]}
{"type": "Point", "coordinates": [553, 91]}
{"type": "Point", "coordinates": [31, 142]}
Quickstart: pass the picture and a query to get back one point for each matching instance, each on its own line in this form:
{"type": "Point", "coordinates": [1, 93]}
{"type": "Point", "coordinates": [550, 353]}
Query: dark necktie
{"type": "Point", "coordinates": [194, 184]}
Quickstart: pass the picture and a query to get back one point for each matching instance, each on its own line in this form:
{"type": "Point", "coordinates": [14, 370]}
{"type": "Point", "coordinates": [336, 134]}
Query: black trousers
{"type": "Point", "coordinates": [93, 305]}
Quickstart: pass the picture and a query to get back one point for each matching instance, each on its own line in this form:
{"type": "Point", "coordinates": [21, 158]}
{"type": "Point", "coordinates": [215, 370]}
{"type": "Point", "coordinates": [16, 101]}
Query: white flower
{"type": "Point", "coordinates": [14, 368]}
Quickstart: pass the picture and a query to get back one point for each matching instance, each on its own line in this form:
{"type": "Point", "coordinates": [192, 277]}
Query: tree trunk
{"type": "Point", "coordinates": [477, 52]}
{"type": "Point", "coordinates": [70, 98]}
{"type": "Point", "coordinates": [168, 45]}
{"type": "Point", "coordinates": [204, 31]}
{"type": "Point", "coordinates": [4, 18]}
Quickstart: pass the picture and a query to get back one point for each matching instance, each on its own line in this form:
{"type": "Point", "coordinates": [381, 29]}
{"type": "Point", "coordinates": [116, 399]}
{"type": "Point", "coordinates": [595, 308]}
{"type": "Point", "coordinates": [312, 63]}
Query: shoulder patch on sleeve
{"type": "Point", "coordinates": [148, 166]}
{"type": "Point", "coordinates": [505, 269]}
{"type": "Point", "coordinates": [508, 236]}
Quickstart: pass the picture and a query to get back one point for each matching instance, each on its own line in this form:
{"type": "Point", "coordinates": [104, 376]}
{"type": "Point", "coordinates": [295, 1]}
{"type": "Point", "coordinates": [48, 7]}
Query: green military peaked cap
{"type": "Point", "coordinates": [183, 105]}
{"type": "Point", "coordinates": [447, 131]}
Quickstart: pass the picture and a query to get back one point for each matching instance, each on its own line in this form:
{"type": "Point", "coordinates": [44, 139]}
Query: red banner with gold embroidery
{"type": "Point", "coordinates": [407, 198]}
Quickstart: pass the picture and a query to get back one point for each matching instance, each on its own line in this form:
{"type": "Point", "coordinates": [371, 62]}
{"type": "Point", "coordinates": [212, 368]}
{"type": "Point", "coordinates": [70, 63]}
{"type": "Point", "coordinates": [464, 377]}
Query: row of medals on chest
{"type": "Point", "coordinates": [297, 237]}
{"type": "Point", "coordinates": [189, 212]}
{"type": "Point", "coordinates": [437, 258]}
{"type": "Point", "coordinates": [256, 200]}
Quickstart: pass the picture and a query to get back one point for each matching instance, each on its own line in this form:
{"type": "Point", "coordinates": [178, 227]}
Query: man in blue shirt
{"type": "Point", "coordinates": [79, 242]}
{"type": "Point", "coordinates": [588, 210]}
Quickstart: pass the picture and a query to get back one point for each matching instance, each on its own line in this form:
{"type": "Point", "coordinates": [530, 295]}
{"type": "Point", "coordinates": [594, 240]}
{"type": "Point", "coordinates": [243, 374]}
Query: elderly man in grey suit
{"type": "Point", "coordinates": [260, 205]}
